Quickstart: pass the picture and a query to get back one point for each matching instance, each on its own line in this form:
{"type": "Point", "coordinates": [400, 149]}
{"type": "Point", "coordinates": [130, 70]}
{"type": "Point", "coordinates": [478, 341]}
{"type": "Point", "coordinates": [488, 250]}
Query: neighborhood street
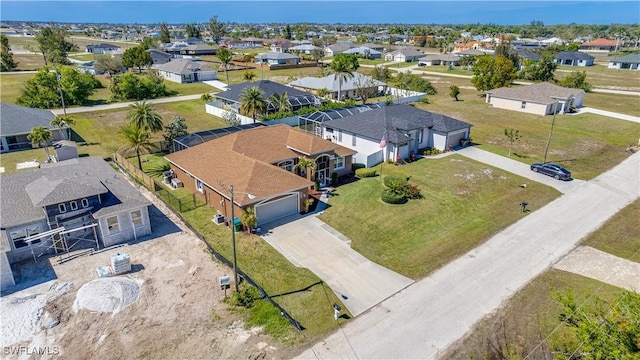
{"type": "Point", "coordinates": [422, 320]}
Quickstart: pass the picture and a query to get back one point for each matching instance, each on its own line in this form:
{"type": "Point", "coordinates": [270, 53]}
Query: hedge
{"type": "Point", "coordinates": [356, 166]}
{"type": "Point", "coordinates": [393, 182]}
{"type": "Point", "coordinates": [390, 197]}
{"type": "Point", "coordinates": [366, 172]}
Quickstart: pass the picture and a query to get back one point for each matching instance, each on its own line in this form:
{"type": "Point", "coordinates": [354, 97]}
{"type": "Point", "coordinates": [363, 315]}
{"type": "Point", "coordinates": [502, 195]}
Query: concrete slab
{"type": "Point", "coordinates": [310, 243]}
{"type": "Point", "coordinates": [216, 84]}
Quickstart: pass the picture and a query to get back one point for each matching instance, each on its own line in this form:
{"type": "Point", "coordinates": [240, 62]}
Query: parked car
{"type": "Point", "coordinates": [555, 170]}
{"type": "Point", "coordinates": [422, 64]}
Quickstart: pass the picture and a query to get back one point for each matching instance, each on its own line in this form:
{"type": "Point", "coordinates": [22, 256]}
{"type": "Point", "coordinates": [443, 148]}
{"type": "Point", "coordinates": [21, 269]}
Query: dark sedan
{"type": "Point", "coordinates": [555, 170]}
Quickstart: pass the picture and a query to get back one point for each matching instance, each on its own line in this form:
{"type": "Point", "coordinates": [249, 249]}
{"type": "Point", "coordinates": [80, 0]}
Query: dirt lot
{"type": "Point", "coordinates": [179, 313]}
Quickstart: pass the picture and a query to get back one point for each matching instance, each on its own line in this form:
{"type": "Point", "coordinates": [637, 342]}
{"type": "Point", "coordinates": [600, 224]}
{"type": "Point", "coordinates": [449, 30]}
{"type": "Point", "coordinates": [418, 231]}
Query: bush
{"type": "Point", "coordinates": [356, 166]}
{"type": "Point", "coordinates": [393, 182]}
{"type": "Point", "coordinates": [391, 197]}
{"type": "Point", "coordinates": [334, 179]}
{"type": "Point", "coordinates": [412, 191]}
{"type": "Point", "coordinates": [316, 185]}
{"type": "Point", "coordinates": [366, 172]}
{"type": "Point", "coordinates": [245, 298]}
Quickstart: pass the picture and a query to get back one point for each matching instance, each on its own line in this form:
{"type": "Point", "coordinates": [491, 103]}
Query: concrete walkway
{"type": "Point", "coordinates": [609, 114]}
{"type": "Point", "coordinates": [428, 316]}
{"type": "Point", "coordinates": [310, 243]}
{"type": "Point", "coordinates": [602, 266]}
{"type": "Point", "coordinates": [518, 168]}
{"type": "Point", "coordinates": [216, 84]}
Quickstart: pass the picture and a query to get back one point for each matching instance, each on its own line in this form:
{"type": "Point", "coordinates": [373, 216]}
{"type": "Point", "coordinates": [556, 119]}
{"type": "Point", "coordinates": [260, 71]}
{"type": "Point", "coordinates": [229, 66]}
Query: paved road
{"type": "Point", "coordinates": [359, 282]}
{"type": "Point", "coordinates": [428, 316]}
{"type": "Point", "coordinates": [610, 114]}
{"type": "Point", "coordinates": [81, 109]}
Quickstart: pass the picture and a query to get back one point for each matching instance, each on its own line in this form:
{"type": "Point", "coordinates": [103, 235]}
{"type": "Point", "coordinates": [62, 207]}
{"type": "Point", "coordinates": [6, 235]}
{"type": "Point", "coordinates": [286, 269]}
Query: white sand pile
{"type": "Point", "coordinates": [20, 317]}
{"type": "Point", "coordinates": [107, 294]}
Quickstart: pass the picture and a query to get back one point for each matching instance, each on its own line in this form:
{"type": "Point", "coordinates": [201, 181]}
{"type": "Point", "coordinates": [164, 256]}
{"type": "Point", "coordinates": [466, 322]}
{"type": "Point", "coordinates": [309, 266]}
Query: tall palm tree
{"type": "Point", "coordinates": [145, 116]}
{"type": "Point", "coordinates": [60, 122]}
{"type": "Point", "coordinates": [225, 56]}
{"type": "Point", "coordinates": [41, 136]}
{"type": "Point", "coordinates": [307, 165]}
{"type": "Point", "coordinates": [137, 139]}
{"type": "Point", "coordinates": [206, 97]}
{"type": "Point", "coordinates": [280, 101]}
{"type": "Point", "coordinates": [342, 68]}
{"type": "Point", "coordinates": [252, 102]}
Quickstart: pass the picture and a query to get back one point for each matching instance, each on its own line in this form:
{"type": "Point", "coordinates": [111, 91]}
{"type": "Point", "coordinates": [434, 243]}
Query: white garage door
{"type": "Point", "coordinates": [454, 140]}
{"type": "Point", "coordinates": [277, 209]}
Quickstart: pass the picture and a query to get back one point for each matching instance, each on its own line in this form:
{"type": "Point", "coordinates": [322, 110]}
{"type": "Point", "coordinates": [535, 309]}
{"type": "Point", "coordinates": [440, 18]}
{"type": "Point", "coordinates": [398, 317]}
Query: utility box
{"type": "Point", "coordinates": [237, 224]}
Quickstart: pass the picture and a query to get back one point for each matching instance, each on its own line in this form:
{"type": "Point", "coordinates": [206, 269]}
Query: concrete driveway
{"type": "Point", "coordinates": [310, 243]}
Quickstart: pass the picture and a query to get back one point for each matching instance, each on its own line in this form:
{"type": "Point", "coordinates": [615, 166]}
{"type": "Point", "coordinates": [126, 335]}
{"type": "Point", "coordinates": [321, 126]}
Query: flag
{"type": "Point", "coordinates": [383, 141]}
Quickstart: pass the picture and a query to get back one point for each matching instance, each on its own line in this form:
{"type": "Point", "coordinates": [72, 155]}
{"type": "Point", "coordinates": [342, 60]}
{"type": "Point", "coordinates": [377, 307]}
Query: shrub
{"type": "Point", "coordinates": [426, 152]}
{"type": "Point", "coordinates": [245, 298]}
{"type": "Point", "coordinates": [316, 185]}
{"type": "Point", "coordinates": [366, 172]}
{"type": "Point", "coordinates": [391, 197]}
{"type": "Point", "coordinates": [412, 191]}
{"type": "Point", "coordinates": [393, 182]}
{"type": "Point", "coordinates": [356, 166]}
{"type": "Point", "coordinates": [334, 179]}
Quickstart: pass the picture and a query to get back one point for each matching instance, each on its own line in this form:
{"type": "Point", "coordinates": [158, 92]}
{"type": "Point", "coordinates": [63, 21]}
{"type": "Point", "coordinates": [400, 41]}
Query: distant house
{"type": "Point", "coordinates": [335, 49]}
{"type": "Point", "coordinates": [185, 71]}
{"type": "Point", "coordinates": [279, 45]}
{"type": "Point", "coordinates": [629, 62]}
{"type": "Point", "coordinates": [275, 58]}
{"type": "Point", "coordinates": [439, 59]}
{"type": "Point", "coordinates": [102, 48]}
{"type": "Point", "coordinates": [574, 58]}
{"type": "Point", "coordinates": [64, 206]}
{"type": "Point", "coordinates": [331, 83]}
{"type": "Point", "coordinates": [599, 45]}
{"type": "Point", "coordinates": [364, 52]}
{"type": "Point", "coordinates": [539, 99]}
{"type": "Point", "coordinates": [304, 48]}
{"type": "Point", "coordinates": [404, 55]}
{"type": "Point", "coordinates": [527, 55]}
{"type": "Point", "coordinates": [16, 123]}
{"type": "Point", "coordinates": [159, 57]}
{"type": "Point", "coordinates": [175, 47]}
{"type": "Point", "coordinates": [194, 41]}
{"type": "Point", "coordinates": [469, 45]}
{"type": "Point", "coordinates": [199, 49]}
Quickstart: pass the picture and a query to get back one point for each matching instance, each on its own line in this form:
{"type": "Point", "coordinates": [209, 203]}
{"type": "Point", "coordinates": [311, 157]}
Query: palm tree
{"type": "Point", "coordinates": [306, 165]}
{"type": "Point", "coordinates": [41, 136]}
{"type": "Point", "coordinates": [225, 56]}
{"type": "Point", "coordinates": [61, 121]}
{"type": "Point", "coordinates": [252, 102]}
{"type": "Point", "coordinates": [137, 138]}
{"type": "Point", "coordinates": [144, 116]}
{"type": "Point", "coordinates": [342, 68]}
{"type": "Point", "coordinates": [281, 102]}
{"type": "Point", "coordinates": [206, 97]}
{"type": "Point", "coordinates": [248, 75]}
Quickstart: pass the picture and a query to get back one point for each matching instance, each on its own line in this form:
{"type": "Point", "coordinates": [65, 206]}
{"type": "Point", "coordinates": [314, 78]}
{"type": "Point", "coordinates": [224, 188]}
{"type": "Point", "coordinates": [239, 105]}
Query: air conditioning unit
{"type": "Point", "coordinates": [176, 183]}
{"type": "Point", "coordinates": [218, 219]}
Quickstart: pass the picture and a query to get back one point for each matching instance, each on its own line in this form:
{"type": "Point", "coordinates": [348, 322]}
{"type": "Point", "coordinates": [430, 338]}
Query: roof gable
{"type": "Point", "coordinates": [16, 120]}
{"type": "Point", "coordinates": [540, 93]}
{"type": "Point", "coordinates": [183, 66]}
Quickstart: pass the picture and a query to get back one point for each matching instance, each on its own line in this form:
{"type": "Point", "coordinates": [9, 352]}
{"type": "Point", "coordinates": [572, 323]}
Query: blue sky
{"type": "Point", "coordinates": [326, 11]}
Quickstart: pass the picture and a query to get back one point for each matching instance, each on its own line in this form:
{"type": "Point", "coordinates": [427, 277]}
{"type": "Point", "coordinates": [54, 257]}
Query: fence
{"type": "Point", "coordinates": [140, 176]}
{"type": "Point", "coordinates": [182, 204]}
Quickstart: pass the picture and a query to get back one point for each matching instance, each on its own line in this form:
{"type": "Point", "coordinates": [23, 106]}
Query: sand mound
{"type": "Point", "coordinates": [107, 294]}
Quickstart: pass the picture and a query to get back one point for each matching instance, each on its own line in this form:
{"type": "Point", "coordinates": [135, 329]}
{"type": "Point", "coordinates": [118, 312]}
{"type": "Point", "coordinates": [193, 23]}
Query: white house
{"type": "Point", "coordinates": [403, 55]}
{"type": "Point", "coordinates": [629, 62]}
{"type": "Point", "coordinates": [185, 71]}
{"type": "Point", "coordinates": [349, 87]}
{"type": "Point", "coordinates": [539, 99]}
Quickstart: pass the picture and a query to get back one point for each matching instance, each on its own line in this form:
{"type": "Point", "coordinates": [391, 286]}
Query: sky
{"type": "Point", "coordinates": [325, 11]}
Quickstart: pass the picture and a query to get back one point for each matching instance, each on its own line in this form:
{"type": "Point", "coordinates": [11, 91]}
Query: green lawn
{"type": "Point", "coordinates": [11, 86]}
{"type": "Point", "coordinates": [601, 76]}
{"type": "Point", "coordinates": [28, 61]}
{"type": "Point", "coordinates": [624, 104]}
{"type": "Point", "coordinates": [370, 61]}
{"type": "Point", "coordinates": [464, 203]}
{"type": "Point", "coordinates": [620, 235]}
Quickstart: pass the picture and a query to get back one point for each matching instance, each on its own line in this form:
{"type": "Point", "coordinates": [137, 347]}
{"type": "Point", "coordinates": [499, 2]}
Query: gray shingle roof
{"type": "Point", "coordinates": [540, 93]}
{"type": "Point", "coordinates": [182, 66]}
{"type": "Point", "coordinates": [63, 181]}
{"type": "Point", "coordinates": [275, 56]}
{"type": "Point", "coordinates": [407, 52]}
{"type": "Point", "coordinates": [630, 59]}
{"type": "Point", "coordinates": [395, 121]}
{"type": "Point", "coordinates": [269, 88]}
{"type": "Point", "coordinates": [18, 120]}
{"type": "Point", "coordinates": [573, 55]}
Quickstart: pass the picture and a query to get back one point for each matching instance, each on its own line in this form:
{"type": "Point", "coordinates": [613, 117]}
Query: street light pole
{"type": "Point", "coordinates": [553, 122]}
{"type": "Point", "coordinates": [59, 76]}
{"type": "Point", "coordinates": [233, 242]}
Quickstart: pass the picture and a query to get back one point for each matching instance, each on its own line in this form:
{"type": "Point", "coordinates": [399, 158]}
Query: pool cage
{"type": "Point", "coordinates": [187, 141]}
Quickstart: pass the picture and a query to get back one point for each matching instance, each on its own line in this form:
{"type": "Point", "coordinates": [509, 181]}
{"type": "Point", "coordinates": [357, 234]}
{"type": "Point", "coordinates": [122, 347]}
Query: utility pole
{"type": "Point", "coordinates": [553, 122]}
{"type": "Point", "coordinates": [59, 77]}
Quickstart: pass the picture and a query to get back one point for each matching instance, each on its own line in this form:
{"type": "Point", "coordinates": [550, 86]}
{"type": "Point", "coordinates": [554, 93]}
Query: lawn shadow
{"type": "Point", "coordinates": [307, 288]}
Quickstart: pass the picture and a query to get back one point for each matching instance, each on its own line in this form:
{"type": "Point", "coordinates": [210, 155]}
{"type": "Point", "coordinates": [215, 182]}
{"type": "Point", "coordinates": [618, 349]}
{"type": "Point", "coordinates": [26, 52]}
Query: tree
{"type": "Point", "coordinates": [252, 102]}
{"type": "Point", "coordinates": [280, 102]}
{"type": "Point", "coordinates": [61, 121]}
{"type": "Point", "coordinates": [193, 31]}
{"type": "Point", "coordinates": [576, 80]}
{"type": "Point", "coordinates": [541, 70]}
{"type": "Point", "coordinates": [317, 54]}
{"type": "Point", "coordinates": [249, 218]}
{"type": "Point", "coordinates": [137, 139]}
{"type": "Point", "coordinates": [41, 136]}
{"type": "Point", "coordinates": [287, 32]}
{"type": "Point", "coordinates": [175, 129]}
{"type": "Point", "coordinates": [454, 91]}
{"type": "Point", "coordinates": [490, 73]}
{"type": "Point", "coordinates": [230, 117]}
{"type": "Point", "coordinates": [381, 73]}
{"type": "Point", "coordinates": [414, 82]}
{"type": "Point", "coordinates": [217, 29]}
{"type": "Point", "coordinates": [305, 167]}
{"type": "Point", "coordinates": [225, 55]}
{"type": "Point", "coordinates": [505, 49]}
{"type": "Point", "coordinates": [323, 92]}
{"type": "Point", "coordinates": [342, 67]}
{"type": "Point", "coordinates": [144, 116]}
{"type": "Point", "coordinates": [148, 43]}
{"type": "Point", "coordinates": [106, 63]}
{"type": "Point", "coordinates": [513, 135]}
{"type": "Point", "coordinates": [248, 75]}
{"type": "Point", "coordinates": [133, 87]}
{"type": "Point", "coordinates": [53, 46]}
{"type": "Point", "coordinates": [42, 90]}
{"type": "Point", "coordinates": [206, 98]}
{"type": "Point", "coordinates": [6, 56]}
{"type": "Point", "coordinates": [365, 88]}
{"type": "Point", "coordinates": [165, 35]}
{"type": "Point", "coordinates": [136, 57]}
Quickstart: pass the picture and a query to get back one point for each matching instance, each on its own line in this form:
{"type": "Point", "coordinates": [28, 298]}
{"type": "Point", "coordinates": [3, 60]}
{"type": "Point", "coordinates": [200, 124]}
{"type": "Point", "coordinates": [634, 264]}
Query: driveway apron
{"type": "Point", "coordinates": [358, 282]}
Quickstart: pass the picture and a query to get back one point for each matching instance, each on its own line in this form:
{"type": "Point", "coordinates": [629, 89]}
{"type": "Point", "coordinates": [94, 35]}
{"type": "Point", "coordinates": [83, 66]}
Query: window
{"type": "Point", "coordinates": [523, 105]}
{"type": "Point", "coordinates": [340, 135]}
{"type": "Point", "coordinates": [74, 205]}
{"type": "Point", "coordinates": [85, 203]}
{"type": "Point", "coordinates": [287, 165]}
{"type": "Point", "coordinates": [419, 136]}
{"type": "Point", "coordinates": [18, 236]}
{"type": "Point", "coordinates": [62, 208]}
{"type": "Point", "coordinates": [199, 186]}
{"type": "Point", "coordinates": [353, 139]}
{"type": "Point", "coordinates": [338, 163]}
{"type": "Point", "coordinates": [112, 224]}
{"type": "Point", "coordinates": [136, 218]}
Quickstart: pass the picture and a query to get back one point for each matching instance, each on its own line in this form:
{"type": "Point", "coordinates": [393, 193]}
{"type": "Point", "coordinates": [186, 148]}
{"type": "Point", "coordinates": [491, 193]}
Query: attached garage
{"type": "Point", "coordinates": [276, 209]}
{"type": "Point", "coordinates": [455, 137]}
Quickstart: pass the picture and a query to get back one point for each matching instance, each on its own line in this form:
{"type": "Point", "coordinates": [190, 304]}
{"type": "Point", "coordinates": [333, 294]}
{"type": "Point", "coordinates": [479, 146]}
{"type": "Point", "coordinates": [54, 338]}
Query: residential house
{"type": "Point", "coordinates": [364, 52]}
{"type": "Point", "coordinates": [102, 48]}
{"type": "Point", "coordinates": [629, 62]}
{"type": "Point", "coordinates": [279, 45]}
{"type": "Point", "coordinates": [335, 49]}
{"type": "Point", "coordinates": [539, 99]}
{"type": "Point", "coordinates": [404, 55]}
{"type": "Point", "coordinates": [275, 58]}
{"type": "Point", "coordinates": [260, 164]}
{"type": "Point", "coordinates": [394, 132]}
{"type": "Point", "coordinates": [199, 49]}
{"type": "Point", "coordinates": [159, 57]}
{"type": "Point", "coordinates": [185, 71]}
{"type": "Point", "coordinates": [471, 52]}
{"type": "Point", "coordinates": [439, 59]}
{"type": "Point", "coordinates": [574, 58]}
{"type": "Point", "coordinates": [194, 41]}
{"type": "Point", "coordinates": [348, 88]}
{"type": "Point", "coordinates": [16, 123]}
{"type": "Point", "coordinates": [175, 47]}
{"type": "Point", "coordinates": [64, 206]}
{"type": "Point", "coordinates": [376, 47]}
{"type": "Point", "coordinates": [599, 45]}
{"type": "Point", "coordinates": [469, 45]}
{"type": "Point", "coordinates": [304, 48]}
{"type": "Point", "coordinates": [528, 44]}
{"type": "Point", "coordinates": [527, 55]}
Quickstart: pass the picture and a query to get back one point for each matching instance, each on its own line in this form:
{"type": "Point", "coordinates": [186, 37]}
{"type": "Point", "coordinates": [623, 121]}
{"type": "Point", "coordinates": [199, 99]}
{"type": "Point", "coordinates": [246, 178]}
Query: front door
{"type": "Point", "coordinates": [322, 169]}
